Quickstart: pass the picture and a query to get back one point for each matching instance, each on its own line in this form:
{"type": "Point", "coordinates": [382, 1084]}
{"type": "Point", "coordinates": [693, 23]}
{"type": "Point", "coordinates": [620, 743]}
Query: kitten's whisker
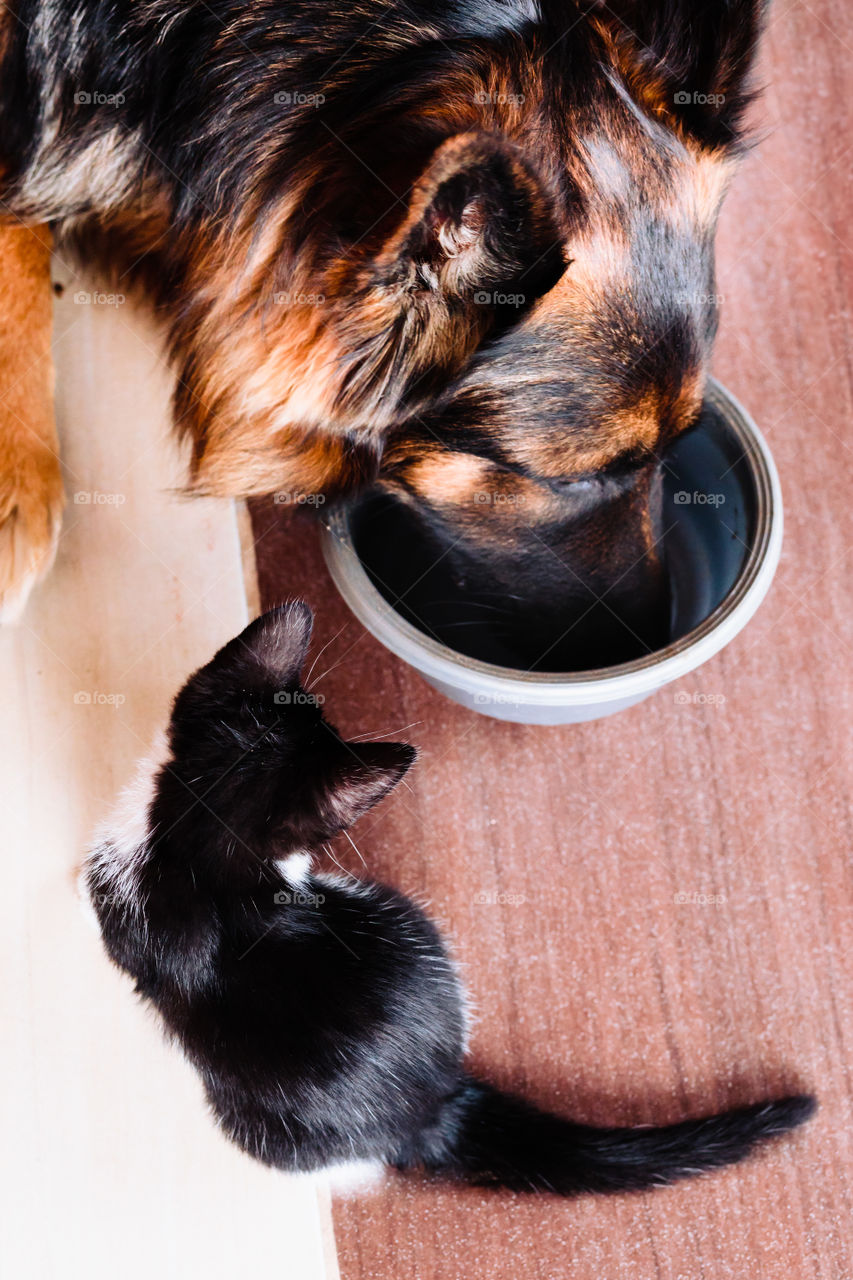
{"type": "Point", "coordinates": [469, 622]}
{"type": "Point", "coordinates": [320, 653]}
{"type": "Point", "coordinates": [355, 846]}
{"type": "Point", "coordinates": [469, 604]}
{"type": "Point", "coordinates": [375, 737]}
{"type": "Point", "coordinates": [328, 849]}
{"type": "Point", "coordinates": [333, 667]}
{"type": "Point", "coordinates": [502, 595]}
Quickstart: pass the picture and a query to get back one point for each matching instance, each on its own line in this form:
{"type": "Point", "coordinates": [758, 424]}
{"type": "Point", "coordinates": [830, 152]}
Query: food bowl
{"type": "Point", "coordinates": [724, 507]}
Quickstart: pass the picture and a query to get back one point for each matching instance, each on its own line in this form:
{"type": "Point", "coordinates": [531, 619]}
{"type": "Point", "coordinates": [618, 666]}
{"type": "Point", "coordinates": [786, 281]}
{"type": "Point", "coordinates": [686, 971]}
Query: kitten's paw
{"type": "Point", "coordinates": [31, 502]}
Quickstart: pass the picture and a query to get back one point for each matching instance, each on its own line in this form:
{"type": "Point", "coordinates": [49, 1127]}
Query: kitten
{"type": "Point", "coordinates": [324, 1015]}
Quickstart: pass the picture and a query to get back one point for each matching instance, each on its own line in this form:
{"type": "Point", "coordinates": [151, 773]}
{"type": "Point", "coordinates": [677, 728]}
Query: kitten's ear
{"type": "Point", "coordinates": [370, 771]}
{"type": "Point", "coordinates": [277, 642]}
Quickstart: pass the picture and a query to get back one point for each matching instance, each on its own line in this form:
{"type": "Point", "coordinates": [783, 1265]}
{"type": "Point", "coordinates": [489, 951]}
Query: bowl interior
{"type": "Point", "coordinates": [710, 517]}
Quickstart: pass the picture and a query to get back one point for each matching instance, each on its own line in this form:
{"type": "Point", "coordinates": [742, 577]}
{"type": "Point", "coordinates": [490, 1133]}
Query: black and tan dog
{"type": "Point", "coordinates": [464, 246]}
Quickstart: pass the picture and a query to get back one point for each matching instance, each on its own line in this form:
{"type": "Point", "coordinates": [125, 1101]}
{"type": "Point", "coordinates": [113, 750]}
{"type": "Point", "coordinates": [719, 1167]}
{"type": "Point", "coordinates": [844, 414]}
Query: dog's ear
{"type": "Point", "coordinates": [684, 61]}
{"type": "Point", "coordinates": [478, 245]}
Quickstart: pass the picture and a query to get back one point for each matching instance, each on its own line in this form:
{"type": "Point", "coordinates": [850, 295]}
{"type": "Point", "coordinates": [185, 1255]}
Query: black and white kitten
{"type": "Point", "coordinates": [324, 1014]}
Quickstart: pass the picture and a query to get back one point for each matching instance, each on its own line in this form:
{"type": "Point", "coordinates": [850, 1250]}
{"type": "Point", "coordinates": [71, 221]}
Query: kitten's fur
{"type": "Point", "coordinates": [324, 1015]}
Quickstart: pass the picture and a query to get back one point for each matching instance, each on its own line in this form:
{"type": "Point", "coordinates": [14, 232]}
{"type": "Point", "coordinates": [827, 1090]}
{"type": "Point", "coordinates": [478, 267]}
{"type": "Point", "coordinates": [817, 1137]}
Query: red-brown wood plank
{"type": "Point", "coordinates": [596, 992]}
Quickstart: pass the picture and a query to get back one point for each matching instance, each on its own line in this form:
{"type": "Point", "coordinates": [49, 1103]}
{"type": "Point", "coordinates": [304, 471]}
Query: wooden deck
{"type": "Point", "coordinates": [558, 860]}
{"type": "Point", "coordinates": [597, 992]}
{"type": "Point", "coordinates": [111, 1164]}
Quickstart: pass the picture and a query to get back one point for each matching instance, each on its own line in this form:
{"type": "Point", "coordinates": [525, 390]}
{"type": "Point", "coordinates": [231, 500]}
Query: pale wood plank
{"type": "Point", "coordinates": [117, 1169]}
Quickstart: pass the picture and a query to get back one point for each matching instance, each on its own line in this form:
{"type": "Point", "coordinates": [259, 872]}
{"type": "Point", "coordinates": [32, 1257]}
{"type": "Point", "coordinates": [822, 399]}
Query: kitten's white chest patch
{"type": "Point", "coordinates": [296, 868]}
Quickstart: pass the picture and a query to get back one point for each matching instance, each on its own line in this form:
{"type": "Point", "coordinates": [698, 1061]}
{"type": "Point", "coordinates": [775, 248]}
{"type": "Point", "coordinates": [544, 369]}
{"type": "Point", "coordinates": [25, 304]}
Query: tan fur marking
{"type": "Point", "coordinates": [31, 497]}
{"type": "Point", "coordinates": [694, 198]}
{"type": "Point", "coordinates": [447, 478]}
{"type": "Point", "coordinates": [484, 500]}
{"type": "Point", "coordinates": [598, 259]}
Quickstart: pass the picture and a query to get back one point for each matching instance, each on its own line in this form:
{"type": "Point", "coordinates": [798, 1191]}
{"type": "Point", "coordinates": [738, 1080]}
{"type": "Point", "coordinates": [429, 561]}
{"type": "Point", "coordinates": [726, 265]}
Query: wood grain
{"type": "Point", "coordinates": [554, 856]}
{"type": "Point", "coordinates": [111, 1164]}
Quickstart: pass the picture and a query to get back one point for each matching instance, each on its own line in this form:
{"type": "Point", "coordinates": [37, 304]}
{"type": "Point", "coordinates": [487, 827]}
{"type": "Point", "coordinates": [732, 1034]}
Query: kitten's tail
{"type": "Point", "coordinates": [493, 1138]}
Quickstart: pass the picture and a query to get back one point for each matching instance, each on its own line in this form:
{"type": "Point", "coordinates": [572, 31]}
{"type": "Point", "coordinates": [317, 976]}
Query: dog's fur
{"type": "Point", "coordinates": [466, 246]}
{"type": "Point", "coordinates": [31, 497]}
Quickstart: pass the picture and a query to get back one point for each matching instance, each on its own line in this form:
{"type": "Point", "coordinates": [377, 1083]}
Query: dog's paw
{"type": "Point", "coordinates": [31, 502]}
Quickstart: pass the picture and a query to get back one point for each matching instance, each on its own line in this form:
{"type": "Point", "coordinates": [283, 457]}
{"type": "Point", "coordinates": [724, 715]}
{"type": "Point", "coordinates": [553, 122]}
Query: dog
{"type": "Point", "coordinates": [458, 249]}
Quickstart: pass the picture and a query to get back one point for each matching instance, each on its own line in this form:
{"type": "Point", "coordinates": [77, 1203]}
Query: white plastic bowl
{"type": "Point", "coordinates": [547, 698]}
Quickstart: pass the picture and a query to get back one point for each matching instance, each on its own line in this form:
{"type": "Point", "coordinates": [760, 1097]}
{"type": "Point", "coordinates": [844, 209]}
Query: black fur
{"type": "Point", "coordinates": [598, 118]}
{"type": "Point", "coordinates": [325, 1017]}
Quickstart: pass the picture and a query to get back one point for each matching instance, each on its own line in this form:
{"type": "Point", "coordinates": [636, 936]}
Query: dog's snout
{"type": "Point", "coordinates": [610, 596]}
